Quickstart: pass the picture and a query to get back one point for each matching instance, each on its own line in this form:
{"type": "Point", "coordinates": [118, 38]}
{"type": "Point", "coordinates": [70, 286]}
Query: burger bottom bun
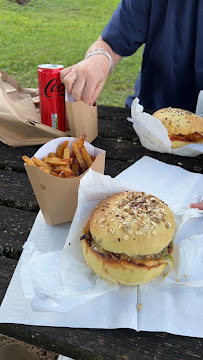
{"type": "Point", "coordinates": [178, 143]}
{"type": "Point", "coordinates": [119, 272]}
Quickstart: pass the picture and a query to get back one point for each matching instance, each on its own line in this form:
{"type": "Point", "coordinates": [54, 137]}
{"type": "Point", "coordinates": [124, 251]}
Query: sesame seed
{"type": "Point", "coordinates": [154, 233]}
{"type": "Point", "coordinates": [102, 220]}
{"type": "Point", "coordinates": [126, 237]}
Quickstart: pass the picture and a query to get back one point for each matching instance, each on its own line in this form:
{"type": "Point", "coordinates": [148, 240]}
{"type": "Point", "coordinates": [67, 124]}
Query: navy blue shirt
{"type": "Point", "coordinates": [172, 65]}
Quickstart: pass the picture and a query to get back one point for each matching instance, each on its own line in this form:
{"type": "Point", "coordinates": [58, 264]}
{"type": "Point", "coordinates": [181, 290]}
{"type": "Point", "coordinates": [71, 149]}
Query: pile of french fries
{"type": "Point", "coordinates": [62, 163]}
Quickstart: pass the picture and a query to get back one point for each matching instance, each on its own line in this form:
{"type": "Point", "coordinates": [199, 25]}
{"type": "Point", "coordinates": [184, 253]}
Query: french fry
{"type": "Point", "coordinates": [48, 171]}
{"type": "Point", "coordinates": [52, 154]}
{"type": "Point", "coordinates": [80, 141]}
{"type": "Point", "coordinates": [75, 167]}
{"type": "Point", "coordinates": [61, 163]}
{"type": "Point", "coordinates": [86, 156]}
{"type": "Point", "coordinates": [66, 153]}
{"type": "Point", "coordinates": [27, 160]}
{"type": "Point", "coordinates": [79, 157]}
{"type": "Point", "coordinates": [65, 144]}
{"type": "Point", "coordinates": [61, 175]}
{"type": "Point", "coordinates": [60, 149]}
{"type": "Point", "coordinates": [60, 168]}
{"type": "Point", "coordinates": [55, 161]}
{"type": "Point", "coordinates": [42, 163]}
{"type": "Point", "coordinates": [68, 173]}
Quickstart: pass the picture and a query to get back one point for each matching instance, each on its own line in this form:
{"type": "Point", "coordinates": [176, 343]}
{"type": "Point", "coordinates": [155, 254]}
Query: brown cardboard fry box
{"type": "Point", "coordinates": [82, 119]}
{"type": "Point", "coordinates": [58, 197]}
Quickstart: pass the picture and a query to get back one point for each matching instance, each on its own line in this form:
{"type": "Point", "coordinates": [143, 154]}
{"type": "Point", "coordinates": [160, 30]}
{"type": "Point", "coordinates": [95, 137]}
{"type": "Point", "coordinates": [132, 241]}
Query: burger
{"type": "Point", "coordinates": [128, 239]}
{"type": "Point", "coordinates": [183, 126]}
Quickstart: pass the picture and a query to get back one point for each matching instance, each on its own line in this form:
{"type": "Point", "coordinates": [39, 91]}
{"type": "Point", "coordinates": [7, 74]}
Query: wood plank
{"type": "Point", "coordinates": [114, 113]}
{"type": "Point", "coordinates": [16, 191]}
{"type": "Point", "coordinates": [117, 130]}
{"type": "Point", "coordinates": [99, 344]}
{"type": "Point", "coordinates": [7, 267]}
{"type": "Point", "coordinates": [132, 151]}
{"type": "Point", "coordinates": [115, 167]}
{"type": "Point", "coordinates": [15, 226]}
{"type": "Point", "coordinates": [11, 157]}
{"type": "Point", "coordinates": [117, 149]}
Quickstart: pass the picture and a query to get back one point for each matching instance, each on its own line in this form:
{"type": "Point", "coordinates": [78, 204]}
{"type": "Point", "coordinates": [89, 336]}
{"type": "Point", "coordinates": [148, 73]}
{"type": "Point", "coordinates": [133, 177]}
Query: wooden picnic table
{"type": "Point", "coordinates": [19, 208]}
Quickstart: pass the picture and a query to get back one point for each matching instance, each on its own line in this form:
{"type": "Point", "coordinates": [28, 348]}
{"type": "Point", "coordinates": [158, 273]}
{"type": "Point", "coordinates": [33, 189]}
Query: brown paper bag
{"type": "Point", "coordinates": [58, 198]}
{"type": "Point", "coordinates": [82, 119]}
{"type": "Point", "coordinates": [20, 122]}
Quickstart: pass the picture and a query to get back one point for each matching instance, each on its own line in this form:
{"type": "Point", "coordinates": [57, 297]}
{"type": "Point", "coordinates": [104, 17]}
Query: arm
{"type": "Point", "coordinates": [86, 79]}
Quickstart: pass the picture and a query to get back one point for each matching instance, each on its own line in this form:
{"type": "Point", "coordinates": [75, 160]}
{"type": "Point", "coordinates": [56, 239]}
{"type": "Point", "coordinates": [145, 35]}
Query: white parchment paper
{"type": "Point", "coordinates": [154, 136]}
{"type": "Point", "coordinates": [61, 291]}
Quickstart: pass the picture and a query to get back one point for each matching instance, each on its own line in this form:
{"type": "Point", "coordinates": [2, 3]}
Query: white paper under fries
{"type": "Point", "coordinates": [57, 197]}
{"type": "Point", "coordinates": [154, 136]}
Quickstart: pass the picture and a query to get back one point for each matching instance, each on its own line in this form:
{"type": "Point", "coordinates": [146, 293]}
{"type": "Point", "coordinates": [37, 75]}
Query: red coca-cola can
{"type": "Point", "coordinates": [52, 96]}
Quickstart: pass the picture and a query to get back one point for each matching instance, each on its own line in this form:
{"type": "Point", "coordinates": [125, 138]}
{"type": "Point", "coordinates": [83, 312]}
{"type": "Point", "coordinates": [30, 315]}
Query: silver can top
{"type": "Point", "coordinates": [50, 66]}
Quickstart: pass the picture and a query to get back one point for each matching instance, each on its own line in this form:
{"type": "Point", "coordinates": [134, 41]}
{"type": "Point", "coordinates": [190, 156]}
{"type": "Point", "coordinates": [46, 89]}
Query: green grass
{"type": "Point", "coordinates": [60, 31]}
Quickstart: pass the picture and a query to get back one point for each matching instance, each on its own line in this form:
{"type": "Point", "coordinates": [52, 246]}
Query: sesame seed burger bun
{"type": "Point", "coordinates": [128, 238]}
{"type": "Point", "coordinates": [184, 127]}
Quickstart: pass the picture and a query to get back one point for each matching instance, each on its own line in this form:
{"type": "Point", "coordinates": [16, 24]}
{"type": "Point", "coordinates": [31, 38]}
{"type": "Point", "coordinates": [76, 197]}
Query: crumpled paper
{"type": "Point", "coordinates": [61, 280]}
{"type": "Point", "coordinates": [154, 136]}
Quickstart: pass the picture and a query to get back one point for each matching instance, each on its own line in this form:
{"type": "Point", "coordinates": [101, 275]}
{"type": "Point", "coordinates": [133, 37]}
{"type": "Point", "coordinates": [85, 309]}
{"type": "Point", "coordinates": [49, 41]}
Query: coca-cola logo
{"type": "Point", "coordinates": [54, 88]}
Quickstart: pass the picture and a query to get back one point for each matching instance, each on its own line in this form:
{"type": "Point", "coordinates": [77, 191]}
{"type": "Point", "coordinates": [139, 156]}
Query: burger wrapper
{"type": "Point", "coordinates": [57, 198]}
{"type": "Point", "coordinates": [54, 287]}
{"type": "Point", "coordinates": [154, 136]}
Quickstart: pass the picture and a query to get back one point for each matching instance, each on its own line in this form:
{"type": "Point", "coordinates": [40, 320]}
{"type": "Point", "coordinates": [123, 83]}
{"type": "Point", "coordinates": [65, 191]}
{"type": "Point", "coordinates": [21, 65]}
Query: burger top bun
{"type": "Point", "coordinates": [179, 121]}
{"type": "Point", "coordinates": [133, 223]}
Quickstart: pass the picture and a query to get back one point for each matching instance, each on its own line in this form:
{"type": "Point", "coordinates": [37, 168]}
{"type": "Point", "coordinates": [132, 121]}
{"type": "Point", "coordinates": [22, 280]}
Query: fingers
{"type": "Point", "coordinates": [86, 79]}
{"type": "Point", "coordinates": [96, 93]}
{"type": "Point", "coordinates": [69, 80]}
{"type": "Point", "coordinates": [64, 72]}
{"type": "Point", "coordinates": [197, 205]}
{"type": "Point", "coordinates": [89, 90]}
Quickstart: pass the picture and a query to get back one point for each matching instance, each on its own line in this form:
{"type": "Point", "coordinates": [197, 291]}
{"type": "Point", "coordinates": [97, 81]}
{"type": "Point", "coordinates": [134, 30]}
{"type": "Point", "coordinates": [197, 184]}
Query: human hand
{"type": "Point", "coordinates": [197, 205]}
{"type": "Point", "coordinates": [86, 79]}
